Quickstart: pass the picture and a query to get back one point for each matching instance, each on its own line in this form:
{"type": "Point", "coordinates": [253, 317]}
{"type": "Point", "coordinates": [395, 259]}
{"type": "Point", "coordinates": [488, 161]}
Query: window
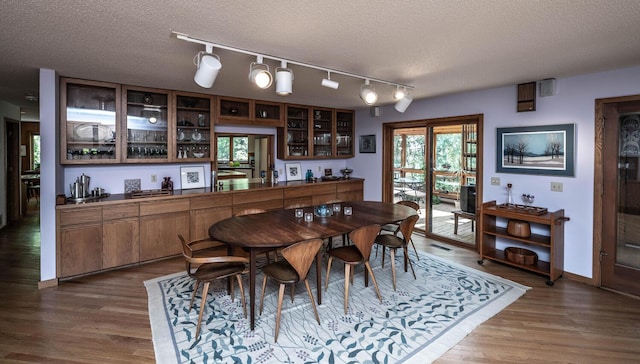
{"type": "Point", "coordinates": [35, 151]}
{"type": "Point", "coordinates": [233, 148]}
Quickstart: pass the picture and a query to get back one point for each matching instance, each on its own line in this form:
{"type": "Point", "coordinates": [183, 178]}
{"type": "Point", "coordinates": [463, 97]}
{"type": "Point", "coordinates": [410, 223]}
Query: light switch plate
{"type": "Point", "coordinates": [495, 181]}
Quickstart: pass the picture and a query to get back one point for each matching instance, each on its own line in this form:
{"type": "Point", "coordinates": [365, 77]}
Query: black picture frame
{"type": "Point", "coordinates": [367, 144]}
{"type": "Point", "coordinates": [539, 150]}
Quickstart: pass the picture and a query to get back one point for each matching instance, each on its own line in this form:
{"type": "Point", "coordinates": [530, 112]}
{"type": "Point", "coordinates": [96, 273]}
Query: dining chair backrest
{"type": "Point", "coordinates": [414, 205]}
{"type": "Point", "coordinates": [250, 212]}
{"type": "Point", "coordinates": [363, 238]}
{"type": "Point", "coordinates": [407, 225]}
{"type": "Point", "coordinates": [300, 255]}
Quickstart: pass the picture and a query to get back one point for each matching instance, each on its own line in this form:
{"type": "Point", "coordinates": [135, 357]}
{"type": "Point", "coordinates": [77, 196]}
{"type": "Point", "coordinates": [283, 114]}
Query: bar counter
{"type": "Point", "coordinates": [118, 230]}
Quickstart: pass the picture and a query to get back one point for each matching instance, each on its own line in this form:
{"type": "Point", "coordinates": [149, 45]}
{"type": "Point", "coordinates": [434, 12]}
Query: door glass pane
{"type": "Point", "coordinates": [450, 214]}
{"type": "Point", "coordinates": [628, 242]}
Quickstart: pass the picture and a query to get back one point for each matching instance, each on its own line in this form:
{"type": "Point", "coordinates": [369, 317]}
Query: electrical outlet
{"type": "Point", "coordinates": [319, 168]}
{"type": "Point", "coordinates": [495, 181]}
{"type": "Point", "coordinates": [556, 186]}
{"type": "Point", "coordinates": [154, 178]}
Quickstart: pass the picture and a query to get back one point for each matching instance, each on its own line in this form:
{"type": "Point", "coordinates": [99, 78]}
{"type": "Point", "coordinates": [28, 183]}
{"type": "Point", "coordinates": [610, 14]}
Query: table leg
{"type": "Point", "coordinates": [455, 223]}
{"type": "Point", "coordinates": [319, 277]}
{"type": "Point", "coordinates": [252, 287]}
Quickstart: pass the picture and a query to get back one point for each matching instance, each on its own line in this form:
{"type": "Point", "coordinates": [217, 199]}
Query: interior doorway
{"type": "Point", "coordinates": [12, 132]}
{"type": "Point", "coordinates": [617, 194]}
{"type": "Point", "coordinates": [436, 163]}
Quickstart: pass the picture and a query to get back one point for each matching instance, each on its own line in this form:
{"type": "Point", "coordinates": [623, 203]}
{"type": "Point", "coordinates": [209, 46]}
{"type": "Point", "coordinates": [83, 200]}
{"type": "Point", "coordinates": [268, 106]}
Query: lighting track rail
{"type": "Point", "coordinates": [285, 75]}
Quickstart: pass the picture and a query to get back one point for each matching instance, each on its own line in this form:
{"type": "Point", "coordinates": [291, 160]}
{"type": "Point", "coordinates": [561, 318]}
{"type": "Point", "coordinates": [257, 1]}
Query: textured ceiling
{"type": "Point", "coordinates": [439, 47]}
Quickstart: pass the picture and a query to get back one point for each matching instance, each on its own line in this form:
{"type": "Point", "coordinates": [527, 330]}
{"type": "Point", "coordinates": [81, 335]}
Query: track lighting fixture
{"type": "Point", "coordinates": [259, 73]}
{"type": "Point", "coordinates": [327, 82]}
{"type": "Point", "coordinates": [368, 93]}
{"type": "Point", "coordinates": [403, 103]}
{"type": "Point", "coordinates": [400, 93]}
{"type": "Point", "coordinates": [208, 65]}
{"type": "Point", "coordinates": [284, 80]}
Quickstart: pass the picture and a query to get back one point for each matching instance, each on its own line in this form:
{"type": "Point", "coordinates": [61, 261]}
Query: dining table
{"type": "Point", "coordinates": [280, 228]}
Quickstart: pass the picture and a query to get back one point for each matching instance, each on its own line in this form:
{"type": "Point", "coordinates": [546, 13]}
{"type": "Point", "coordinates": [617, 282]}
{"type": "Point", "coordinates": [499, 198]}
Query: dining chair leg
{"type": "Point", "coordinates": [326, 282]}
{"type": "Point", "coordinates": [406, 254]}
{"type": "Point", "coordinates": [264, 285]}
{"type": "Point", "coordinates": [244, 303]}
{"type": "Point", "coordinates": [373, 278]}
{"type": "Point", "coordinates": [280, 299]}
{"type": "Point", "coordinates": [293, 289]}
{"type": "Point", "coordinates": [205, 291]}
{"type": "Point", "coordinates": [347, 274]}
{"type": "Point", "coordinates": [414, 249]}
{"type": "Point", "coordinates": [196, 285]}
{"type": "Point", "coordinates": [392, 253]}
{"type": "Point", "coordinates": [383, 248]}
{"type": "Point", "coordinates": [313, 302]}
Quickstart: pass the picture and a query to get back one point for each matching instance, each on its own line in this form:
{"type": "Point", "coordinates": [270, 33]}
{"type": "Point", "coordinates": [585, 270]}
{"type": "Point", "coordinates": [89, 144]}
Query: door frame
{"type": "Point", "coordinates": [12, 151]}
{"type": "Point", "coordinates": [598, 183]}
{"type": "Point", "coordinates": [387, 160]}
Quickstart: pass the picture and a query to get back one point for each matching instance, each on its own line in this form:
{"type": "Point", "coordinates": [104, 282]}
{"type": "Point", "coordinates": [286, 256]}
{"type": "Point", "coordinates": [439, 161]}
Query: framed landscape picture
{"type": "Point", "coordinates": [542, 150]}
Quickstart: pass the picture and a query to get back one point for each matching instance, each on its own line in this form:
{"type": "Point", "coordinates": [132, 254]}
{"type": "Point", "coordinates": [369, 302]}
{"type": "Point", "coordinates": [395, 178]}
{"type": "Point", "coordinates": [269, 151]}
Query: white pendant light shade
{"type": "Point", "coordinates": [208, 67]}
{"type": "Point", "coordinates": [403, 103]}
{"type": "Point", "coordinates": [368, 93]}
{"type": "Point", "coordinates": [284, 80]}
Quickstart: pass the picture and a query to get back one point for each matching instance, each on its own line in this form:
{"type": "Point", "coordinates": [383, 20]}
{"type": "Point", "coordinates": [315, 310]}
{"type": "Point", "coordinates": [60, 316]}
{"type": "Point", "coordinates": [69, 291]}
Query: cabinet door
{"type": "Point", "coordinates": [294, 137]}
{"type": "Point", "coordinates": [268, 113]}
{"type": "Point", "coordinates": [322, 133]}
{"type": "Point", "coordinates": [159, 234]}
{"type": "Point", "coordinates": [344, 127]}
{"type": "Point", "coordinates": [89, 122]}
{"type": "Point", "coordinates": [350, 191]}
{"type": "Point", "coordinates": [193, 127]}
{"type": "Point", "coordinates": [80, 249]}
{"type": "Point", "coordinates": [120, 242]}
{"type": "Point", "coordinates": [146, 131]}
{"type": "Point", "coordinates": [202, 219]}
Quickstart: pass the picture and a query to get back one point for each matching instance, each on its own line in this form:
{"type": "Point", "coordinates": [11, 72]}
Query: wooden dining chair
{"type": "Point", "coordinates": [294, 268]}
{"type": "Point", "coordinates": [209, 269]}
{"type": "Point", "coordinates": [394, 242]}
{"type": "Point", "coordinates": [395, 228]}
{"type": "Point", "coordinates": [251, 211]}
{"type": "Point", "coordinates": [352, 255]}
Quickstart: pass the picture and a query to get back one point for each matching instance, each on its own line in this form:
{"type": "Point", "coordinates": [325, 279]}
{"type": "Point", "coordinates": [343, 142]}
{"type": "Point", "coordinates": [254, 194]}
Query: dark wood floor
{"type": "Point", "coordinates": [103, 318]}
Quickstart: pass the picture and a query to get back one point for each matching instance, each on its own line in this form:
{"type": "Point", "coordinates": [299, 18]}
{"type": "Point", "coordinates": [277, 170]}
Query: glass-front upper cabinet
{"type": "Point", "coordinates": [89, 122]}
{"type": "Point", "coordinates": [293, 138]}
{"type": "Point", "coordinates": [322, 133]}
{"type": "Point", "coordinates": [146, 130]}
{"type": "Point", "coordinates": [345, 123]}
{"type": "Point", "coordinates": [193, 130]}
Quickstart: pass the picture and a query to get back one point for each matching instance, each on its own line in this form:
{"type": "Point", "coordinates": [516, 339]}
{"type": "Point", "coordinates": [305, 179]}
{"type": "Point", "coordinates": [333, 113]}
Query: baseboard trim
{"type": "Point", "coordinates": [48, 283]}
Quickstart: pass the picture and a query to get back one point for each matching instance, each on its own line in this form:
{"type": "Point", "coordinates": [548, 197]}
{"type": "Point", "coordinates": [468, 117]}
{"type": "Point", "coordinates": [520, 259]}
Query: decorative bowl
{"type": "Point", "coordinates": [198, 155]}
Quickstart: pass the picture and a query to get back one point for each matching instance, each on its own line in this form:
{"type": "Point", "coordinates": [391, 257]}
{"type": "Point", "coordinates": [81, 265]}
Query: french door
{"type": "Point", "coordinates": [436, 163]}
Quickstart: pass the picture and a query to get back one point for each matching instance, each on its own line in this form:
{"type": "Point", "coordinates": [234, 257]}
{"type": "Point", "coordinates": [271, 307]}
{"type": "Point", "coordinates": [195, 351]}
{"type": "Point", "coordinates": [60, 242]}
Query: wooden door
{"type": "Point", "coordinates": [620, 252]}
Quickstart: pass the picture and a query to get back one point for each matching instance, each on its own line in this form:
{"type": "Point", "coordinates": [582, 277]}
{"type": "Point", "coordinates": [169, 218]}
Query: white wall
{"type": "Point", "coordinates": [50, 171]}
{"type": "Point", "coordinates": [10, 111]}
{"type": "Point", "coordinates": [574, 102]}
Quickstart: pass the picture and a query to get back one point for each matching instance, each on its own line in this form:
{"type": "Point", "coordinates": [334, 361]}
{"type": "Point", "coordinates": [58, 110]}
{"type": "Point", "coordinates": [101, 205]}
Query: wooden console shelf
{"type": "Point", "coordinates": [551, 242]}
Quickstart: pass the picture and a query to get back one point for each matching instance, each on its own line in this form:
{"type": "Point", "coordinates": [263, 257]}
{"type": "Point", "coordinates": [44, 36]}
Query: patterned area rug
{"type": "Point", "coordinates": [415, 324]}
